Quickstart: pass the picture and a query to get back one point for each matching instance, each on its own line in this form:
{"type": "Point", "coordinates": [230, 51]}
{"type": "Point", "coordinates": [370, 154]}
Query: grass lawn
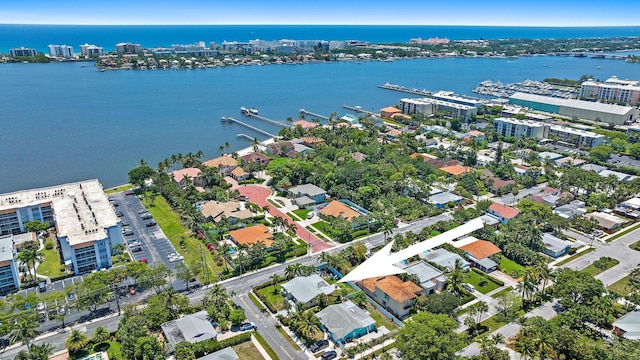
{"type": "Point", "coordinates": [118, 189]}
{"type": "Point", "coordinates": [256, 302]}
{"type": "Point", "coordinates": [111, 347]}
{"type": "Point", "coordinates": [635, 246]}
{"type": "Point", "coordinates": [293, 216]}
{"type": "Point", "coordinates": [51, 265]}
{"type": "Point", "coordinates": [621, 287]}
{"type": "Point", "coordinates": [569, 259]}
{"type": "Point", "coordinates": [169, 221]}
{"type": "Point", "coordinates": [380, 319]}
{"type": "Point", "coordinates": [323, 227]}
{"type": "Point", "coordinates": [288, 338]}
{"type": "Point", "coordinates": [266, 295]}
{"type": "Point", "coordinates": [265, 345]}
{"type": "Point", "coordinates": [475, 279]}
{"type": "Point", "coordinates": [593, 270]}
{"type": "Point", "coordinates": [247, 350]}
{"type": "Point", "coordinates": [511, 267]}
{"type": "Point", "coordinates": [274, 203]}
{"type": "Point", "coordinates": [501, 292]}
{"type": "Point", "coordinates": [302, 213]}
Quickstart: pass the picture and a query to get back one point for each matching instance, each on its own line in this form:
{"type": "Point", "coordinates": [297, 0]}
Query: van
{"type": "Point", "coordinates": [310, 215]}
{"type": "Point", "coordinates": [469, 287]}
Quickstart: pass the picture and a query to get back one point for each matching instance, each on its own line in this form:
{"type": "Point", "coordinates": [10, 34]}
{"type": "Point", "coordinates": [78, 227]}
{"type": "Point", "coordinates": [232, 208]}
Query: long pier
{"type": "Point", "coordinates": [358, 110]}
{"type": "Point", "coordinates": [230, 119]}
{"type": "Point", "coordinates": [303, 111]}
{"type": "Point", "coordinates": [246, 136]}
{"type": "Point", "coordinates": [274, 122]}
{"type": "Point", "coordinates": [403, 89]}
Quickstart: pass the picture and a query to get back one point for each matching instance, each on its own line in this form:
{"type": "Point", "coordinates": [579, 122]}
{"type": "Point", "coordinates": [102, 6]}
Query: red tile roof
{"type": "Point", "coordinates": [504, 211]}
{"type": "Point", "coordinates": [252, 235]}
{"type": "Point", "coordinates": [337, 209]}
{"type": "Point", "coordinates": [456, 169]}
{"type": "Point", "coordinates": [398, 290]}
{"type": "Point", "coordinates": [192, 173]}
{"type": "Point", "coordinates": [481, 249]}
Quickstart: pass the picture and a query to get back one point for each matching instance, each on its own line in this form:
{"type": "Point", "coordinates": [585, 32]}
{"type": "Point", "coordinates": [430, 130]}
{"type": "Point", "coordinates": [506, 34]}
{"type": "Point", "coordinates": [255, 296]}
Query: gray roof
{"type": "Point", "coordinates": [443, 258]}
{"type": "Point", "coordinates": [551, 155]}
{"type": "Point", "coordinates": [553, 243]}
{"type": "Point", "coordinates": [619, 175]}
{"type": "Point", "coordinates": [630, 324]}
{"type": "Point", "coordinates": [425, 272]}
{"type": "Point", "coordinates": [224, 354]}
{"type": "Point", "coordinates": [192, 328]}
{"type": "Point", "coordinates": [593, 167]}
{"type": "Point", "coordinates": [303, 201]}
{"type": "Point", "coordinates": [308, 189]}
{"type": "Point", "coordinates": [444, 197]}
{"type": "Point", "coordinates": [341, 319]}
{"type": "Point", "coordinates": [305, 288]}
{"type": "Point", "coordinates": [489, 219]}
{"type": "Point", "coordinates": [485, 263]}
{"type": "Point", "coordinates": [572, 103]}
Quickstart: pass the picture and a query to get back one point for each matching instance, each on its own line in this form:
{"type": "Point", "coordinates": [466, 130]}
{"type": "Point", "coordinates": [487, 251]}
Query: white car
{"type": "Point", "coordinates": [172, 255]}
{"type": "Point", "coordinates": [176, 258]}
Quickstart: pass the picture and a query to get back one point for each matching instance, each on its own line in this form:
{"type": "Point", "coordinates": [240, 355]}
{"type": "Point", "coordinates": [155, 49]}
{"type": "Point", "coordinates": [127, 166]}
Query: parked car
{"type": "Point", "coordinates": [114, 203]}
{"type": "Point", "coordinates": [142, 211]}
{"type": "Point", "coordinates": [41, 306]}
{"type": "Point", "coordinates": [128, 192]}
{"type": "Point", "coordinates": [128, 233]}
{"type": "Point", "coordinates": [248, 326]}
{"type": "Point", "coordinates": [42, 286]}
{"type": "Point", "coordinates": [469, 287]}
{"type": "Point", "coordinates": [134, 244]}
{"type": "Point", "coordinates": [310, 215]}
{"type": "Point", "coordinates": [125, 223]}
{"type": "Point", "coordinates": [151, 224]}
{"type": "Point", "coordinates": [132, 290]}
{"type": "Point", "coordinates": [147, 216]}
{"type": "Point", "coordinates": [71, 296]}
{"type": "Point", "coordinates": [329, 355]}
{"type": "Point", "coordinates": [119, 213]}
{"type": "Point", "coordinates": [135, 249]}
{"type": "Point", "coordinates": [318, 345]}
{"type": "Point", "coordinates": [144, 260]}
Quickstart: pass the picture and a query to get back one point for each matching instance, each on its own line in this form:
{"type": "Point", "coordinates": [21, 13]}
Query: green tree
{"type": "Point", "coordinates": [148, 348]}
{"type": "Point", "coordinates": [601, 153]}
{"type": "Point", "coordinates": [359, 298]}
{"type": "Point", "coordinates": [186, 272]}
{"type": "Point", "coordinates": [428, 336]}
{"type": "Point", "coordinates": [456, 277]}
{"type": "Point", "coordinates": [36, 225]}
{"type": "Point", "coordinates": [41, 352]}
{"type": "Point", "coordinates": [133, 326]}
{"type": "Point", "coordinates": [183, 351]}
{"type": "Point", "coordinates": [634, 150]}
{"type": "Point", "coordinates": [25, 329]}
{"type": "Point", "coordinates": [237, 316]}
{"type": "Point", "coordinates": [138, 175]}
{"type": "Point", "coordinates": [77, 340]}
{"type": "Point", "coordinates": [100, 334]}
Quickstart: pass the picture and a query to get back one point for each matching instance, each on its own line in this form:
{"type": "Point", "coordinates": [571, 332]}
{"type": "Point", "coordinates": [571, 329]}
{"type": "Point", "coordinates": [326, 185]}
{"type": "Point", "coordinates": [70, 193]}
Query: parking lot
{"type": "Point", "coordinates": [150, 242]}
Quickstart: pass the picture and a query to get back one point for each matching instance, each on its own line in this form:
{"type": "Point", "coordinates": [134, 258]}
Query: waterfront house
{"type": "Point", "coordinates": [230, 210]}
{"type": "Point", "coordinates": [225, 164]}
{"type": "Point", "coordinates": [431, 279]}
{"type": "Point", "coordinates": [304, 289]}
{"type": "Point", "coordinates": [395, 295]}
{"type": "Point", "coordinates": [345, 321]}
{"type": "Point", "coordinates": [307, 194]}
{"type": "Point", "coordinates": [339, 209]}
{"type": "Point", "coordinates": [628, 325]}
{"type": "Point", "coordinates": [554, 246]}
{"type": "Point", "coordinates": [254, 157]}
{"type": "Point", "coordinates": [192, 328]}
{"type": "Point", "coordinates": [389, 112]}
{"type": "Point", "coordinates": [239, 174]}
{"type": "Point", "coordinates": [306, 125]}
{"type": "Point", "coordinates": [503, 212]}
{"type": "Point", "coordinates": [478, 253]}
{"type": "Point", "coordinates": [185, 175]}
{"type": "Point", "coordinates": [252, 235]}
{"type": "Point", "coordinates": [350, 119]}
{"type": "Point", "coordinates": [444, 258]}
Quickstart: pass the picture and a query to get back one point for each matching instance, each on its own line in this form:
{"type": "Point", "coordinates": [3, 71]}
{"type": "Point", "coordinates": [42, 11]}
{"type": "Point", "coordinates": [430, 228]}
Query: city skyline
{"type": "Point", "coordinates": [329, 12]}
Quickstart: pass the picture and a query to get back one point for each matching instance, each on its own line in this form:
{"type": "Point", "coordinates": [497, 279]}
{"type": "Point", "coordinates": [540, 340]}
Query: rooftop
{"type": "Point", "coordinates": [606, 221]}
{"type": "Point", "coordinates": [191, 328]}
{"type": "Point", "coordinates": [481, 249]}
{"type": "Point", "coordinates": [456, 169]}
{"type": "Point", "coordinates": [504, 211]}
{"type": "Point", "coordinates": [425, 272]}
{"type": "Point", "coordinates": [252, 235]}
{"type": "Point", "coordinates": [223, 160]}
{"type": "Point", "coordinates": [6, 248]}
{"type": "Point", "coordinates": [255, 156]}
{"type": "Point", "coordinates": [304, 124]}
{"type": "Point", "coordinates": [225, 354]}
{"type": "Point", "coordinates": [444, 197]}
{"type": "Point", "coordinates": [630, 324]}
{"type": "Point", "coordinates": [305, 288]}
{"type": "Point", "coordinates": [216, 210]}
{"type": "Point", "coordinates": [443, 258]}
{"type": "Point", "coordinates": [343, 318]}
{"type": "Point", "coordinates": [587, 105]}
{"type": "Point", "coordinates": [307, 189]}
{"type": "Point", "coordinates": [338, 209]}
{"type": "Point", "coordinates": [192, 173]}
{"type": "Point", "coordinates": [554, 243]}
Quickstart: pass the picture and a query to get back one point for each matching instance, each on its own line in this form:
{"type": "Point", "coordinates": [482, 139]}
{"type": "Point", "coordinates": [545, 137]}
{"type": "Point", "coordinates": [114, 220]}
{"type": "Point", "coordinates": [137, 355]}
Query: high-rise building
{"type": "Point", "coordinates": [509, 127]}
{"type": "Point", "coordinates": [22, 51]}
{"type": "Point", "coordinates": [91, 51]}
{"type": "Point", "coordinates": [429, 106]}
{"type": "Point", "coordinates": [128, 48]}
{"type": "Point", "coordinates": [614, 89]}
{"type": "Point", "coordinates": [9, 280]}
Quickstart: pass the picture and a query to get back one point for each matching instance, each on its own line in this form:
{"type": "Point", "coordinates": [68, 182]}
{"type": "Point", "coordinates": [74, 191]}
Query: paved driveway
{"type": "Point", "coordinates": [259, 195]}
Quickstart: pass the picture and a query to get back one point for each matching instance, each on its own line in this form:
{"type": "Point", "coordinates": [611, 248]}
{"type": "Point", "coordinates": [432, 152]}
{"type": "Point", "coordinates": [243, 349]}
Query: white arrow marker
{"type": "Point", "coordinates": [382, 262]}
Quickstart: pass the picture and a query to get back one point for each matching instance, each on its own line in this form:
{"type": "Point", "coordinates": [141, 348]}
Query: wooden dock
{"type": "Point", "coordinates": [303, 111]}
{"type": "Point", "coordinates": [274, 122]}
{"type": "Point", "coordinates": [359, 110]}
{"type": "Point", "coordinates": [232, 120]}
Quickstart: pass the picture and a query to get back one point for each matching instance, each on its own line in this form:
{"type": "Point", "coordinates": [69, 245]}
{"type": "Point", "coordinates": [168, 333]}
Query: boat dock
{"type": "Point", "coordinates": [358, 109]}
{"type": "Point", "coordinates": [403, 89]}
{"type": "Point", "coordinates": [251, 138]}
{"type": "Point", "coordinates": [303, 111]}
{"type": "Point", "coordinates": [274, 122]}
{"type": "Point", "coordinates": [232, 120]}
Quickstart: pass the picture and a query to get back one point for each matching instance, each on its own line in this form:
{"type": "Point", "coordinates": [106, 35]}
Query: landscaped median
{"type": "Point", "coordinates": [575, 256]}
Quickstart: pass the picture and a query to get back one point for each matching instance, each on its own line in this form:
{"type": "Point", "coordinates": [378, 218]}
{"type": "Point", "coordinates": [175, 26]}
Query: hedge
{"type": "Point", "coordinates": [203, 348]}
{"type": "Point", "coordinates": [491, 278]}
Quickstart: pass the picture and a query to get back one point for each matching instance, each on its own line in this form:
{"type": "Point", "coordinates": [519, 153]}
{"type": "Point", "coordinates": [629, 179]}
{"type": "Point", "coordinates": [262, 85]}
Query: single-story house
{"type": "Point", "coordinates": [549, 155]}
{"type": "Point", "coordinates": [224, 164]}
{"type": "Point", "coordinates": [499, 184]}
{"type": "Point", "coordinates": [304, 289]}
{"type": "Point", "coordinates": [621, 176]}
{"type": "Point", "coordinates": [554, 246]}
{"type": "Point", "coordinates": [477, 136]}
{"type": "Point", "coordinates": [456, 170]}
{"type": "Point", "coordinates": [239, 174]}
{"type": "Point", "coordinates": [551, 200]}
{"type": "Point", "coordinates": [593, 167]}
{"type": "Point", "coordinates": [490, 220]}
{"type": "Point", "coordinates": [633, 203]}
{"type": "Point", "coordinates": [444, 258]}
{"type": "Point", "coordinates": [345, 321]}
{"type": "Point", "coordinates": [442, 199]}
{"type": "Point", "coordinates": [392, 293]}
{"type": "Point", "coordinates": [310, 191]}
{"type": "Point", "coordinates": [302, 149]}
{"type": "Point", "coordinates": [187, 173]}
{"type": "Point", "coordinates": [350, 119]}
{"type": "Point", "coordinates": [478, 253]}
{"type": "Point", "coordinates": [503, 212]}
{"type": "Point", "coordinates": [392, 134]}
{"type": "Point", "coordinates": [254, 157]}
{"type": "Point", "coordinates": [569, 160]}
{"type": "Point", "coordinates": [191, 328]}
{"type": "Point", "coordinates": [338, 209]}
{"type": "Point", "coordinates": [252, 235]}
{"type": "Point", "coordinates": [311, 141]}
{"type": "Point", "coordinates": [568, 211]}
{"type": "Point", "coordinates": [224, 354]}
{"type": "Point", "coordinates": [431, 279]}
{"type": "Point", "coordinates": [628, 325]}
{"type": "Point", "coordinates": [231, 210]}
{"type": "Point", "coordinates": [606, 222]}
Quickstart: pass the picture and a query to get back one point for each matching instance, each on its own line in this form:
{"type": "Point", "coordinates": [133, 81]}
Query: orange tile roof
{"type": "Point", "coordinates": [456, 169]}
{"type": "Point", "coordinates": [503, 210]}
{"type": "Point", "coordinates": [311, 140]}
{"type": "Point", "coordinates": [192, 173]}
{"type": "Point", "coordinates": [398, 290]}
{"type": "Point", "coordinates": [475, 133]}
{"type": "Point", "coordinates": [481, 249]}
{"type": "Point", "coordinates": [221, 161]}
{"type": "Point", "coordinates": [239, 172]}
{"type": "Point", "coordinates": [391, 109]}
{"type": "Point", "coordinates": [252, 235]}
{"type": "Point", "coordinates": [304, 124]}
{"type": "Point", "coordinates": [337, 209]}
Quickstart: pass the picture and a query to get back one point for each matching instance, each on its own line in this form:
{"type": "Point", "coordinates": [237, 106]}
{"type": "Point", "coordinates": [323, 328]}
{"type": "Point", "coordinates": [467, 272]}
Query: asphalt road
{"type": "Point", "coordinates": [509, 199]}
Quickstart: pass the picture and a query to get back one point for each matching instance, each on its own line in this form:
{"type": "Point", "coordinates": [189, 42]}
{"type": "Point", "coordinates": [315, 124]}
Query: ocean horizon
{"type": "Point", "coordinates": [40, 36]}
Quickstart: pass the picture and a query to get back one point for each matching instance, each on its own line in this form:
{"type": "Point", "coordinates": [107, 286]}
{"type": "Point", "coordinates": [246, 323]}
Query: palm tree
{"type": "Point", "coordinates": [291, 270]}
{"type": "Point", "coordinates": [77, 340]}
{"type": "Point", "coordinates": [634, 279]}
{"type": "Point", "coordinates": [275, 278]}
{"type": "Point", "coordinates": [216, 296]}
{"type": "Point", "coordinates": [308, 325]}
{"type": "Point", "coordinates": [456, 277]}
{"type": "Point", "coordinates": [100, 334]}
{"type": "Point", "coordinates": [41, 352]}
{"type": "Point", "coordinates": [25, 330]}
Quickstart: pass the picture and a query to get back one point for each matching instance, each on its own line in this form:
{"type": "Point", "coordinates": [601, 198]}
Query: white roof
{"type": "Point", "coordinates": [6, 247]}
{"type": "Point", "coordinates": [305, 288]}
{"type": "Point", "coordinates": [633, 202]}
{"type": "Point", "coordinates": [580, 104]}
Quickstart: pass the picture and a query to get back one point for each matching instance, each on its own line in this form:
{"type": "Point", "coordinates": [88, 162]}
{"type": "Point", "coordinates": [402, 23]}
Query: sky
{"type": "Point", "coordinates": [323, 12]}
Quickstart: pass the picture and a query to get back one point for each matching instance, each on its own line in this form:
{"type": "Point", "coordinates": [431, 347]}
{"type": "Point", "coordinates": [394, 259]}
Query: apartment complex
{"type": "Point", "coordinates": [8, 268]}
{"type": "Point", "coordinates": [22, 51]}
{"type": "Point", "coordinates": [86, 224]}
{"type": "Point", "coordinates": [429, 106]}
{"type": "Point", "coordinates": [61, 51]}
{"type": "Point", "coordinates": [450, 96]}
{"type": "Point", "coordinates": [128, 48]}
{"type": "Point", "coordinates": [606, 113]}
{"type": "Point", "coordinates": [569, 136]}
{"type": "Point", "coordinates": [91, 51]}
{"type": "Point", "coordinates": [613, 89]}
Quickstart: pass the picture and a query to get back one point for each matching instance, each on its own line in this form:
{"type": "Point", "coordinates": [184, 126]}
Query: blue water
{"type": "Point", "coordinates": [39, 36]}
{"type": "Point", "coordinates": [62, 122]}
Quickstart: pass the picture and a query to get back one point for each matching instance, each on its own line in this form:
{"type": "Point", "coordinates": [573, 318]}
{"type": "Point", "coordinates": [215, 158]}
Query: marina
{"type": "Point", "coordinates": [500, 90]}
{"type": "Point", "coordinates": [403, 89]}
